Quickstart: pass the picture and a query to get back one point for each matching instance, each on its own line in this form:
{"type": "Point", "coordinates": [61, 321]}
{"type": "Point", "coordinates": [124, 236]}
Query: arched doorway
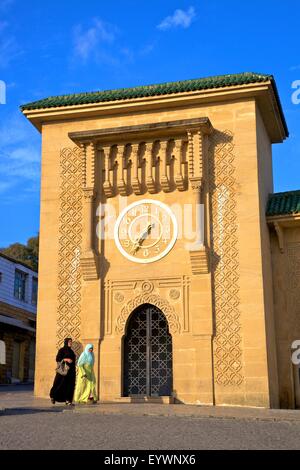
{"type": "Point", "coordinates": [147, 353]}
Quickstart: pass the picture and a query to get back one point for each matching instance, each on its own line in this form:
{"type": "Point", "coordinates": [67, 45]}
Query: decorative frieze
{"type": "Point", "coordinates": [171, 293]}
{"type": "Point", "coordinates": [152, 158]}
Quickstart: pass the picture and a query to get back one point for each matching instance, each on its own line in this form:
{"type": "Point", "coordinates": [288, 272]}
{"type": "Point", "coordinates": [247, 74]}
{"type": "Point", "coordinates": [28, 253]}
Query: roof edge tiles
{"type": "Point", "coordinates": [219, 81]}
{"type": "Point", "coordinates": [168, 88]}
{"type": "Point", "coordinates": [284, 203]}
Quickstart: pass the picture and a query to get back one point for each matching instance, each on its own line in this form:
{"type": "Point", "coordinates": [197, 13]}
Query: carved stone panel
{"type": "Point", "coordinates": [225, 264]}
{"type": "Point", "coordinates": [70, 240]}
{"type": "Point", "coordinates": [170, 294]}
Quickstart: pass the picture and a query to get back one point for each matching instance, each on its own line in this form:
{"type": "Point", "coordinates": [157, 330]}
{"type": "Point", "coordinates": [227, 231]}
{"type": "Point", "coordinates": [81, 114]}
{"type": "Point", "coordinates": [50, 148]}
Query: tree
{"type": "Point", "coordinates": [28, 253]}
{"type": "Point", "coordinates": [33, 249]}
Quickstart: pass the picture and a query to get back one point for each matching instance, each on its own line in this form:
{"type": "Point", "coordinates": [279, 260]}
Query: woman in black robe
{"type": "Point", "coordinates": [64, 385]}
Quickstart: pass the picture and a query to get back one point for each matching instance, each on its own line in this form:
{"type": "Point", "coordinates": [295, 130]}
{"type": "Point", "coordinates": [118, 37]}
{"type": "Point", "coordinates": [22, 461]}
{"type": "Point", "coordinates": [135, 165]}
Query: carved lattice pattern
{"type": "Point", "coordinates": [224, 236]}
{"type": "Point", "coordinates": [70, 238]}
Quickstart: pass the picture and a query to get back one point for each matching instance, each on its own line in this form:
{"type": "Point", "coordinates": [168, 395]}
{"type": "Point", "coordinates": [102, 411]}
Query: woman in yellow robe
{"type": "Point", "coordinates": [85, 391]}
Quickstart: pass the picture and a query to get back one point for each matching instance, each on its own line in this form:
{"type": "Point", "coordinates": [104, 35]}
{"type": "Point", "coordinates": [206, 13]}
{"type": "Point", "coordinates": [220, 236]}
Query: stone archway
{"type": "Point", "coordinates": [148, 298]}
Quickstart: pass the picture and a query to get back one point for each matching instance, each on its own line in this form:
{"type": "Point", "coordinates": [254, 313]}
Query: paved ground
{"type": "Point", "coordinates": [29, 423]}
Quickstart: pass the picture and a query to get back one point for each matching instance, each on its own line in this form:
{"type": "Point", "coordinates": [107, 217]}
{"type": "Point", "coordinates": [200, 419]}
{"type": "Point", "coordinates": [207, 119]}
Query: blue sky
{"type": "Point", "coordinates": [66, 46]}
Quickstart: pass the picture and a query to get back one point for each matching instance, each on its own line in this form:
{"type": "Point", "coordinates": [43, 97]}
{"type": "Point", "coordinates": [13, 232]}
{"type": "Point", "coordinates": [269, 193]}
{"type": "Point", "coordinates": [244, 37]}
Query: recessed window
{"type": "Point", "coordinates": [20, 284]}
{"type": "Point", "coordinates": [34, 291]}
{"type": "Point", "coordinates": [0, 277]}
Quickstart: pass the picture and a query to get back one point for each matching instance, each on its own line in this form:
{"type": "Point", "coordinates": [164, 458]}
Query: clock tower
{"type": "Point", "coordinates": [154, 241]}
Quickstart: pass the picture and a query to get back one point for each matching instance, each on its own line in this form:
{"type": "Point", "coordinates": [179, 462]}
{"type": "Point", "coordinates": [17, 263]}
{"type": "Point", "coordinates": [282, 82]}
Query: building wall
{"type": "Point", "coordinates": [286, 281]}
{"type": "Point", "coordinates": [25, 338]}
{"type": "Point", "coordinates": [22, 311]}
{"type": "Point", "coordinates": [265, 182]}
{"type": "Point", "coordinates": [221, 359]}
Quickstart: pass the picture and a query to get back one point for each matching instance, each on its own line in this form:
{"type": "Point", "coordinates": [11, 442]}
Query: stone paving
{"type": "Point", "coordinates": [34, 423]}
{"type": "Point", "coordinates": [21, 396]}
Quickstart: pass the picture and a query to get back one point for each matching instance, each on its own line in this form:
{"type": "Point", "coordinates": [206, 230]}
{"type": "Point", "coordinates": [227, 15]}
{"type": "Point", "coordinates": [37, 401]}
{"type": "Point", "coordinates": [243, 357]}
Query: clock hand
{"type": "Point", "coordinates": [145, 233]}
{"type": "Point", "coordinates": [142, 237]}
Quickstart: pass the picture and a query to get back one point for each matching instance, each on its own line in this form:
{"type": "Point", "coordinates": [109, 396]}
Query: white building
{"type": "Point", "coordinates": [18, 300]}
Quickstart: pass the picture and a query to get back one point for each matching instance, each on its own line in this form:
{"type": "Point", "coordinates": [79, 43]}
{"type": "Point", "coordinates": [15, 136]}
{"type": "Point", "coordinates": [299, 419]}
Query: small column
{"type": "Point", "coordinates": [149, 164]}
{"type": "Point", "coordinates": [136, 186]}
{"type": "Point", "coordinates": [121, 159]}
{"type": "Point", "coordinates": [164, 180]}
{"type": "Point", "coordinates": [107, 187]}
{"type": "Point", "coordinates": [178, 168]}
{"type": "Point", "coordinates": [89, 259]}
{"type": "Point", "coordinates": [89, 197]}
{"type": "Point", "coordinates": [196, 183]}
{"type": "Point", "coordinates": [196, 156]}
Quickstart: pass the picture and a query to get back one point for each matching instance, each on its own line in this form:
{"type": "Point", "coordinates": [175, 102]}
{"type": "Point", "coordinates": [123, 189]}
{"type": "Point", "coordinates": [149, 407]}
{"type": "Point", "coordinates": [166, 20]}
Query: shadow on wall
{"type": "Point", "coordinates": [77, 348]}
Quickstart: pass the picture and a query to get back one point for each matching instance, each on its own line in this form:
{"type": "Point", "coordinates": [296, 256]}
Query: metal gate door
{"type": "Point", "coordinates": [148, 354]}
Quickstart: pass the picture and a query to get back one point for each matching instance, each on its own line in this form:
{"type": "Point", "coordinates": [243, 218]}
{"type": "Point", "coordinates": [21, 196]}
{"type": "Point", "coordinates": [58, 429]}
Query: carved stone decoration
{"type": "Point", "coordinates": [89, 266]}
{"type": "Point", "coordinates": [135, 159]}
{"type": "Point", "coordinates": [70, 240]}
{"type": "Point", "coordinates": [153, 157]}
{"type": "Point", "coordinates": [179, 181]}
{"type": "Point", "coordinates": [121, 158]}
{"type": "Point", "coordinates": [280, 236]}
{"type": "Point", "coordinates": [164, 180]}
{"type": "Point", "coordinates": [196, 184]}
{"type": "Point", "coordinates": [174, 294]}
{"type": "Point", "coordinates": [107, 186]}
{"type": "Point", "coordinates": [153, 299]}
{"type": "Point", "coordinates": [147, 287]}
{"type": "Point", "coordinates": [119, 297]}
{"type": "Point", "coordinates": [200, 261]}
{"type": "Point", "coordinates": [190, 154]}
{"type": "Point", "coordinates": [225, 269]}
{"type": "Point", "coordinates": [149, 162]}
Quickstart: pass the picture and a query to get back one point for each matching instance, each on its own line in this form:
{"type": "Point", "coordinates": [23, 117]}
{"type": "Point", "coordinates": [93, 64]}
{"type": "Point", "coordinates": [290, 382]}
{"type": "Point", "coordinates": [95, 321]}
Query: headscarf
{"type": "Point", "coordinates": [86, 357]}
{"type": "Point", "coordinates": [66, 340]}
{"type": "Point", "coordinates": [66, 353]}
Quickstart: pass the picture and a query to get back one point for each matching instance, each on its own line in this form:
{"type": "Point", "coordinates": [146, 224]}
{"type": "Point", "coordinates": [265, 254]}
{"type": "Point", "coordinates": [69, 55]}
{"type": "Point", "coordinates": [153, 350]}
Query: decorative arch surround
{"type": "Point", "coordinates": [157, 301]}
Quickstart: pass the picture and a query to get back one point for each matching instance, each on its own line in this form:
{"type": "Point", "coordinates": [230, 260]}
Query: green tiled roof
{"type": "Point", "coordinates": [284, 203]}
{"type": "Point", "coordinates": [218, 81]}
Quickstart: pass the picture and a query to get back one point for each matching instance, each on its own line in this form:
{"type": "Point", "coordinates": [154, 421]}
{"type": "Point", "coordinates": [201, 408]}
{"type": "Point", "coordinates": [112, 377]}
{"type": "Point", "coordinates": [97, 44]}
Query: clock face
{"type": "Point", "coordinates": [145, 231]}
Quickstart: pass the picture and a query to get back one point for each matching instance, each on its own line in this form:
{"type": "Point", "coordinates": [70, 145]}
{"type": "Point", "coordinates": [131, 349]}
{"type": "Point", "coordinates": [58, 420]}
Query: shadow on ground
{"type": "Point", "coordinates": [28, 411]}
{"type": "Point", "coordinates": [16, 388]}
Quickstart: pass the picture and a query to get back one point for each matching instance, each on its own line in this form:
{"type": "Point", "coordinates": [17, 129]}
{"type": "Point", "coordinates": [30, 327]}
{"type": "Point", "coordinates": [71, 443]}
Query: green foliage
{"type": "Point", "coordinates": [28, 253]}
